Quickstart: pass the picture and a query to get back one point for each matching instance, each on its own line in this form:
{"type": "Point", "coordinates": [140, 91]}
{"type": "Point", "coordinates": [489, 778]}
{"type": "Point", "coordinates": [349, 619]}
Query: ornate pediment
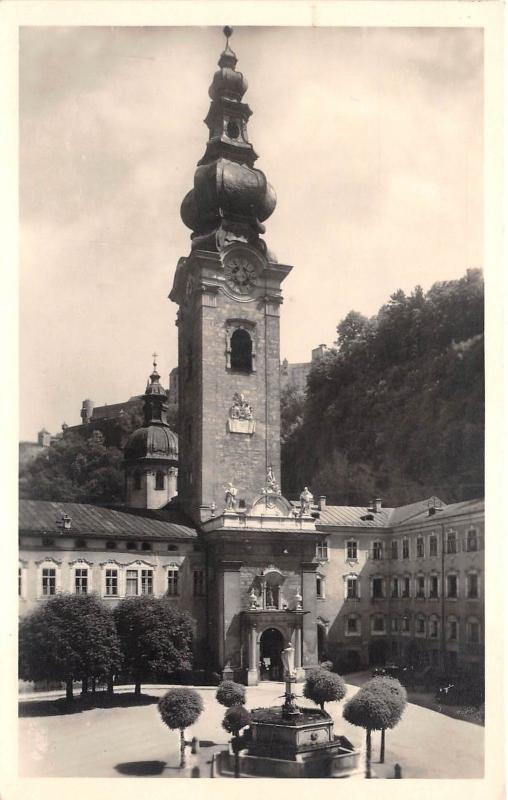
{"type": "Point", "coordinates": [270, 504]}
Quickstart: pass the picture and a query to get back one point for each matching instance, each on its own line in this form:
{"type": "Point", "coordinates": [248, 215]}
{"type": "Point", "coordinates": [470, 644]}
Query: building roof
{"type": "Point", "coordinates": [351, 516]}
{"type": "Point", "coordinates": [44, 516]}
{"type": "Point", "coordinates": [476, 506]}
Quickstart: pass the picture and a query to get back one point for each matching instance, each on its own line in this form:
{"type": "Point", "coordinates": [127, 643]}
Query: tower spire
{"type": "Point", "coordinates": [230, 199]}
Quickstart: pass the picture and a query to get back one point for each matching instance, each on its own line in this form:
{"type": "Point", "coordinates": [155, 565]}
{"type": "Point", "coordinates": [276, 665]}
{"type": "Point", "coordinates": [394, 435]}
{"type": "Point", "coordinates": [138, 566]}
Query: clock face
{"type": "Point", "coordinates": [240, 274]}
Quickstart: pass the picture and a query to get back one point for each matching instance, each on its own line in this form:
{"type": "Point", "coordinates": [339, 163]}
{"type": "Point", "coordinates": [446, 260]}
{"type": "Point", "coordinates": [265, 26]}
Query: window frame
{"type": "Point", "coordinates": [322, 549]}
{"type": "Point", "coordinates": [457, 593]}
{"type": "Point", "coordinates": [358, 620]}
{"type": "Point", "coordinates": [354, 548]}
{"type": "Point", "coordinates": [175, 569]}
{"type": "Point", "coordinates": [355, 581]}
{"type": "Point", "coordinates": [406, 549]}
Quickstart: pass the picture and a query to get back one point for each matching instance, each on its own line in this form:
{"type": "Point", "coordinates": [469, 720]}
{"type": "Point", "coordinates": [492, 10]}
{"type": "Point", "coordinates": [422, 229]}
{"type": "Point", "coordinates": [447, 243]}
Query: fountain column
{"type": "Point", "coordinates": [300, 672]}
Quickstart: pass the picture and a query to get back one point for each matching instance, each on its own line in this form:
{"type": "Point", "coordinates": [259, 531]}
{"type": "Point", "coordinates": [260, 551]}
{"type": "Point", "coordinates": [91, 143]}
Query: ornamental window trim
{"type": "Point", "coordinates": [250, 327]}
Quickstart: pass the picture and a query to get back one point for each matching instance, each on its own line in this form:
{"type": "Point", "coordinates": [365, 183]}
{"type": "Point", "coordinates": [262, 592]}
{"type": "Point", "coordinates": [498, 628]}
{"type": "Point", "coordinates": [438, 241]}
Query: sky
{"type": "Point", "coordinates": [372, 138]}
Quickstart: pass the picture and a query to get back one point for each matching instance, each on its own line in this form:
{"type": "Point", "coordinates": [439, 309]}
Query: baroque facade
{"type": "Point", "coordinates": [256, 571]}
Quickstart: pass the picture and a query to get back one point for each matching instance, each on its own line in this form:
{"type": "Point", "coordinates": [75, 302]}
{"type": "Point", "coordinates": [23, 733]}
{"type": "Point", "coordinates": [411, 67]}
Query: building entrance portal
{"type": "Point", "coordinates": [271, 645]}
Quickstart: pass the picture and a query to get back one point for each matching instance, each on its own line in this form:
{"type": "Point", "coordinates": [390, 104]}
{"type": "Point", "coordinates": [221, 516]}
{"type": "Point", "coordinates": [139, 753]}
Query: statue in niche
{"type": "Point", "coordinates": [269, 597]}
{"type": "Point", "coordinates": [230, 497]}
{"type": "Point", "coordinates": [306, 498]}
{"type": "Point", "coordinates": [253, 599]}
{"type": "Point", "coordinates": [240, 409]}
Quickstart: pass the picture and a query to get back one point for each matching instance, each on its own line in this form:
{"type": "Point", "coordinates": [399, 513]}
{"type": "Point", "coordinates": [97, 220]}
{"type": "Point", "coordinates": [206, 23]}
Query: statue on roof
{"type": "Point", "coordinates": [306, 499]}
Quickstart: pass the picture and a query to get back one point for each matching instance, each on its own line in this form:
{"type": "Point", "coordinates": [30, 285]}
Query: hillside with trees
{"type": "Point", "coordinates": [396, 408]}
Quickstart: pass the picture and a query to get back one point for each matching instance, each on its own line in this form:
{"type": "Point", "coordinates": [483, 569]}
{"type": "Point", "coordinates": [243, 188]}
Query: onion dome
{"type": "Point", "coordinates": [230, 199]}
{"type": "Point", "coordinates": [155, 439]}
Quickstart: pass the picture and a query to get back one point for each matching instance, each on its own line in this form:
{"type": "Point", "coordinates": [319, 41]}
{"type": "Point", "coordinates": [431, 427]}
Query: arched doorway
{"type": "Point", "coordinates": [271, 645]}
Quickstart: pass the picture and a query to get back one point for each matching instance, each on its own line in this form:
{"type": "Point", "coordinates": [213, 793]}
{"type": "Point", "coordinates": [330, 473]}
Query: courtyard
{"type": "Point", "coordinates": [131, 740]}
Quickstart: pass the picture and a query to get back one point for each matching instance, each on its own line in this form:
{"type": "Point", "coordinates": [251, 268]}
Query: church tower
{"type": "Point", "coordinates": [151, 452]}
{"type": "Point", "coordinates": [229, 293]}
{"type": "Point", "coordinates": [260, 549]}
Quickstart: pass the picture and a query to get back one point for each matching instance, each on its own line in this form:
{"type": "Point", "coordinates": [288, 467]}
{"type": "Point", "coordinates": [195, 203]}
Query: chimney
{"type": "Point", "coordinates": [376, 505]}
{"type": "Point", "coordinates": [322, 502]}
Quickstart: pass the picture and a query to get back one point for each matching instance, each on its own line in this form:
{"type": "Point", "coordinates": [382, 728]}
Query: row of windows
{"type": "Point", "coordinates": [160, 480]}
{"type": "Point", "coordinates": [137, 582]}
{"type": "Point", "coordinates": [402, 549]}
{"type": "Point", "coordinates": [112, 544]}
{"type": "Point", "coordinates": [423, 626]}
{"type": "Point", "coordinates": [423, 586]}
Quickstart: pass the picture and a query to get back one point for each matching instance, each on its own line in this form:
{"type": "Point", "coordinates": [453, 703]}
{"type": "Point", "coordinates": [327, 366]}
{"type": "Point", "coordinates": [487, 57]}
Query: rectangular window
{"type": "Point", "coordinates": [395, 587]}
{"type": "Point", "coordinates": [352, 588]}
{"type": "Point", "coordinates": [474, 632]}
{"type": "Point", "coordinates": [352, 624]}
{"type": "Point", "coordinates": [420, 625]}
{"type": "Point", "coordinates": [433, 629]}
{"type": "Point", "coordinates": [420, 549]}
{"type": "Point", "coordinates": [395, 550]}
{"type": "Point", "coordinates": [452, 630]}
{"type": "Point", "coordinates": [395, 624]}
{"type": "Point", "coordinates": [199, 583]}
{"type": "Point", "coordinates": [406, 591]}
{"type": "Point", "coordinates": [172, 582]}
{"type": "Point", "coordinates": [472, 586]}
{"type": "Point", "coordinates": [377, 551]}
{"type": "Point", "coordinates": [319, 586]}
{"type": "Point", "coordinates": [378, 624]}
{"type": "Point", "coordinates": [420, 586]}
{"type": "Point", "coordinates": [433, 546]}
{"type": "Point", "coordinates": [81, 581]}
{"type": "Point", "coordinates": [131, 583]}
{"type": "Point", "coordinates": [147, 581]}
{"type": "Point", "coordinates": [377, 588]}
{"type": "Point", "coordinates": [111, 583]}
{"type": "Point", "coordinates": [405, 548]}
{"type": "Point", "coordinates": [451, 584]}
{"type": "Point", "coordinates": [322, 549]}
{"type": "Point", "coordinates": [406, 627]}
{"type": "Point", "coordinates": [472, 542]}
{"type": "Point", "coordinates": [433, 587]}
{"type": "Point", "coordinates": [48, 581]}
{"type": "Point", "coordinates": [352, 550]}
{"type": "Point", "coordinates": [451, 543]}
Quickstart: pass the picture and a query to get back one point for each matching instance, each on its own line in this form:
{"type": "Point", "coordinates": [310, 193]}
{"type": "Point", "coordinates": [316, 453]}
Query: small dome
{"type": "Point", "coordinates": [152, 441]}
{"type": "Point", "coordinates": [228, 82]}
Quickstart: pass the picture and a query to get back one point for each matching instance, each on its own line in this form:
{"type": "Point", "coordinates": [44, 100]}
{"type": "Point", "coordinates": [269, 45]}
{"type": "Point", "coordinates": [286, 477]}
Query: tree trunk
{"type": "Point", "coordinates": [236, 749]}
{"type": "Point", "coordinates": [111, 685]}
{"type": "Point", "coordinates": [84, 686]}
{"type": "Point", "coordinates": [137, 686]}
{"type": "Point", "coordinates": [93, 685]}
{"type": "Point", "coordinates": [182, 748]}
{"type": "Point", "coordinates": [69, 695]}
{"type": "Point", "coordinates": [368, 754]}
{"type": "Point", "coordinates": [322, 706]}
{"type": "Point", "coordinates": [382, 753]}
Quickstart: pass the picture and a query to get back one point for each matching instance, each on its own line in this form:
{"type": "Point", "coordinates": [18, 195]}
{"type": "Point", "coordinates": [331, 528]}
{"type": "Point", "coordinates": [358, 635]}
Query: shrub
{"type": "Point", "coordinates": [230, 694]}
{"type": "Point", "coordinates": [391, 691]}
{"type": "Point", "coordinates": [323, 687]}
{"type": "Point", "coordinates": [370, 711]}
{"type": "Point", "coordinates": [180, 708]}
{"type": "Point", "coordinates": [236, 718]}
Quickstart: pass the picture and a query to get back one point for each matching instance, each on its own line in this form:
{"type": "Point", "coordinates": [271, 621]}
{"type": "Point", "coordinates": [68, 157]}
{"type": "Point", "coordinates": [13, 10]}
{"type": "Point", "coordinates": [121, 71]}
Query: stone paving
{"type": "Point", "coordinates": [133, 741]}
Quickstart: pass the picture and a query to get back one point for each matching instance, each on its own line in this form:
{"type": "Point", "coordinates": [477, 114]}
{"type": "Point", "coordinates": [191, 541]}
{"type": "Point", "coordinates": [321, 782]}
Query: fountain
{"type": "Point", "coordinates": [291, 742]}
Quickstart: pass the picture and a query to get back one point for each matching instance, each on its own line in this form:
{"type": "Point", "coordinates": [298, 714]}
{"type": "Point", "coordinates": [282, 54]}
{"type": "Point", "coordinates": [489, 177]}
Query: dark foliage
{"type": "Point", "coordinates": [323, 686]}
{"type": "Point", "coordinates": [69, 637]}
{"type": "Point", "coordinates": [230, 694]}
{"type": "Point", "coordinates": [155, 638]}
{"type": "Point", "coordinates": [367, 710]}
{"type": "Point", "coordinates": [391, 691]}
{"type": "Point", "coordinates": [180, 708]}
{"type": "Point", "coordinates": [76, 470]}
{"type": "Point", "coordinates": [397, 408]}
{"type": "Point", "coordinates": [236, 718]}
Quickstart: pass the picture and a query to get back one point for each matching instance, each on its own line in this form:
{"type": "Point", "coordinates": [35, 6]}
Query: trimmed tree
{"type": "Point", "coordinates": [323, 686]}
{"type": "Point", "coordinates": [68, 638]}
{"type": "Point", "coordinates": [230, 694]}
{"type": "Point", "coordinates": [395, 696]}
{"type": "Point", "coordinates": [369, 711]}
{"type": "Point", "coordinates": [180, 708]}
{"type": "Point", "coordinates": [236, 718]}
{"type": "Point", "coordinates": [155, 638]}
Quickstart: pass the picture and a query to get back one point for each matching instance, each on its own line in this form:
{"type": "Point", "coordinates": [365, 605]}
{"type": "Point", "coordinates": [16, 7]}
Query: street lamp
{"type": "Point", "coordinates": [289, 707]}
